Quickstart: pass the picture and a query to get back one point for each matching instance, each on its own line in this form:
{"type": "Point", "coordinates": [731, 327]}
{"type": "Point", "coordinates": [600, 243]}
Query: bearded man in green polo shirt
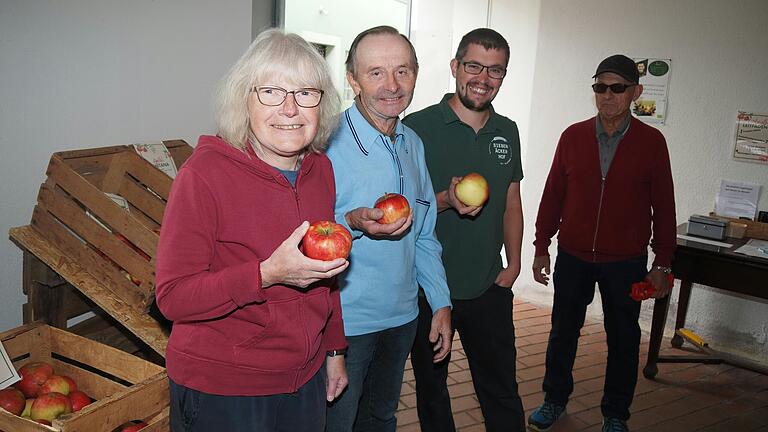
{"type": "Point", "coordinates": [464, 134]}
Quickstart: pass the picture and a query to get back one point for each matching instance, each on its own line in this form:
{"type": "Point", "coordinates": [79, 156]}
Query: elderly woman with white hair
{"type": "Point", "coordinates": [258, 339]}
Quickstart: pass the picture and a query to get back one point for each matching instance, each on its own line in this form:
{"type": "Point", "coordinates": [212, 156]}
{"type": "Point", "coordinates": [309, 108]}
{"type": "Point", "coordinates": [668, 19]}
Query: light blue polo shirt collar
{"type": "Point", "coordinates": [365, 135]}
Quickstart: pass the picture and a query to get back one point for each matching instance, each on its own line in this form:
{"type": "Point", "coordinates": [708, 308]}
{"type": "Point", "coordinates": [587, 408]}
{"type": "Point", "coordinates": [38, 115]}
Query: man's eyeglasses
{"type": "Point", "coordinates": [476, 69]}
{"type": "Point", "coordinates": [615, 88]}
{"type": "Point", "coordinates": [274, 96]}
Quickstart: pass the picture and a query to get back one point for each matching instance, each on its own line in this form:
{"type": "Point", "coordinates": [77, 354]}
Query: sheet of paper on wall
{"type": "Point", "coordinates": [737, 199]}
{"type": "Point", "coordinates": [751, 137]}
{"type": "Point", "coordinates": [8, 374]}
{"type": "Point", "coordinates": [158, 155]}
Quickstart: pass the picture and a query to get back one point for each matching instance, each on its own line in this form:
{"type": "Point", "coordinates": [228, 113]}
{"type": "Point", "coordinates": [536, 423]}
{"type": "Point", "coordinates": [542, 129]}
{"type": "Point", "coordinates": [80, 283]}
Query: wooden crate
{"type": "Point", "coordinates": [756, 230]}
{"type": "Point", "coordinates": [116, 246]}
{"type": "Point", "coordinates": [125, 387]}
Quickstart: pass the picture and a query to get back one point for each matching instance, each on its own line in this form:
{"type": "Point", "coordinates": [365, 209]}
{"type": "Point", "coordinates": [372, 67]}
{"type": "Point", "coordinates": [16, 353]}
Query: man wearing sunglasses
{"type": "Point", "coordinates": [463, 134]}
{"type": "Point", "coordinates": [608, 192]}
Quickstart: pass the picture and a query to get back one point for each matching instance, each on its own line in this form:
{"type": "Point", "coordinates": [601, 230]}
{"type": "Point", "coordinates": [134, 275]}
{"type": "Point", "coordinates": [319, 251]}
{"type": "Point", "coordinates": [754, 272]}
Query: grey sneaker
{"type": "Point", "coordinates": [545, 416]}
{"type": "Point", "coordinates": [612, 424]}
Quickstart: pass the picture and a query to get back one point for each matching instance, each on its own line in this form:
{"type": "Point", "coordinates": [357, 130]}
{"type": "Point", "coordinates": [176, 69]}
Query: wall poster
{"type": "Point", "coordinates": [651, 106]}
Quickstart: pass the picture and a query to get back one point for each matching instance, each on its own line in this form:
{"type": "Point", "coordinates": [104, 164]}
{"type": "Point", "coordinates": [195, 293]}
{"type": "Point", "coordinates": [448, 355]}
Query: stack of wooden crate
{"type": "Point", "coordinates": [83, 252]}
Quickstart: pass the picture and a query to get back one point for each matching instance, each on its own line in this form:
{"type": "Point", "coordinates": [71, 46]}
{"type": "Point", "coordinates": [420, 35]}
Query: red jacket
{"type": "Point", "coordinates": [602, 220]}
{"type": "Point", "coordinates": [227, 212]}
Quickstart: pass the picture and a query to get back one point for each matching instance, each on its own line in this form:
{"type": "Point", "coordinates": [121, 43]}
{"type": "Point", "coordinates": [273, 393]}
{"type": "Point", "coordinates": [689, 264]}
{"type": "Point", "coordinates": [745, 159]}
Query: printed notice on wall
{"type": "Point", "coordinates": [158, 155]}
{"type": "Point", "coordinates": [651, 106]}
{"type": "Point", "coordinates": [751, 137]}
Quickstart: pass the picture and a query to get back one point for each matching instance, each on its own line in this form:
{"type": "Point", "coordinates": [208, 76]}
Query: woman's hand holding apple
{"type": "Point", "coordinates": [287, 265]}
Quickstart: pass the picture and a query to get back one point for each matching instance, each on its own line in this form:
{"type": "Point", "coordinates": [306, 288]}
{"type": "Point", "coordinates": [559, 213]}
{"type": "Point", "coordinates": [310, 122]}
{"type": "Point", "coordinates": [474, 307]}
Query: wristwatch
{"type": "Point", "coordinates": [665, 270]}
{"type": "Point", "coordinates": [336, 352]}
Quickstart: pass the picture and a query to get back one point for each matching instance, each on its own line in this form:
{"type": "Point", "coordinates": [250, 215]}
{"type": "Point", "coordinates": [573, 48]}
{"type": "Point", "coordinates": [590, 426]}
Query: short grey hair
{"type": "Point", "coordinates": [274, 53]}
{"type": "Point", "coordinates": [351, 61]}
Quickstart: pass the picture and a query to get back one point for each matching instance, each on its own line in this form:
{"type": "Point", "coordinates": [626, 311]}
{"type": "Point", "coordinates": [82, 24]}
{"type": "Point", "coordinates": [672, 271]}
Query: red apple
{"type": "Point", "coordinates": [131, 427]}
{"type": "Point", "coordinates": [326, 240]}
{"type": "Point", "coordinates": [71, 382]}
{"type": "Point", "coordinates": [27, 408]}
{"type": "Point", "coordinates": [394, 206]}
{"type": "Point", "coordinates": [472, 190]}
{"type": "Point", "coordinates": [49, 406]}
{"type": "Point", "coordinates": [33, 375]}
{"type": "Point", "coordinates": [55, 384]}
{"type": "Point", "coordinates": [44, 421]}
{"type": "Point", "coordinates": [12, 400]}
{"type": "Point", "coordinates": [79, 400]}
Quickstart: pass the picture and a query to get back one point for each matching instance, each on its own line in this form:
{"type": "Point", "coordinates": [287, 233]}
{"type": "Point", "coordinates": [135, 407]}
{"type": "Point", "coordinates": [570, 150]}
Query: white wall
{"type": "Point", "coordinates": [719, 65]}
{"type": "Point", "coordinates": [80, 74]}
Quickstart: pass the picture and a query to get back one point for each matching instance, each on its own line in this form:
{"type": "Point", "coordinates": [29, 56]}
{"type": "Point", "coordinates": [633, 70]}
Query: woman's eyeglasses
{"type": "Point", "coordinates": [274, 96]}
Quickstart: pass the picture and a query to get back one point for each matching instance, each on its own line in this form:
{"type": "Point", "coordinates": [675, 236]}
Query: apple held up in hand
{"type": "Point", "coordinates": [49, 406]}
{"type": "Point", "coordinates": [12, 400]}
{"type": "Point", "coordinates": [394, 206]}
{"type": "Point", "coordinates": [79, 400]}
{"type": "Point", "coordinates": [326, 240]}
{"type": "Point", "coordinates": [33, 376]}
{"type": "Point", "coordinates": [472, 190]}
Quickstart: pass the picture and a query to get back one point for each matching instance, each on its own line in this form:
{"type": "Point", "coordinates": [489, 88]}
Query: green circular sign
{"type": "Point", "coordinates": [658, 68]}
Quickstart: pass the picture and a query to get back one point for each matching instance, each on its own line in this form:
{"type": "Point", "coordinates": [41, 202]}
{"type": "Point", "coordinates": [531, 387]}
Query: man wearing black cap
{"type": "Point", "coordinates": [609, 188]}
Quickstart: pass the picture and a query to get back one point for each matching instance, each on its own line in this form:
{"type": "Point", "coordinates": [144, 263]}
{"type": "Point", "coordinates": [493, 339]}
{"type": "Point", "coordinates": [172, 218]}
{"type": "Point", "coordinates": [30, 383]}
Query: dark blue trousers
{"type": "Point", "coordinates": [303, 411]}
{"type": "Point", "coordinates": [574, 284]}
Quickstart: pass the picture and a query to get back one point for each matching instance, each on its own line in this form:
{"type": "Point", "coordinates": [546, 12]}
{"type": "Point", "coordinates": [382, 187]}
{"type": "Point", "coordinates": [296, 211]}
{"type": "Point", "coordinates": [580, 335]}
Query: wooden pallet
{"type": "Point", "coordinates": [125, 387]}
{"type": "Point", "coordinates": [116, 246]}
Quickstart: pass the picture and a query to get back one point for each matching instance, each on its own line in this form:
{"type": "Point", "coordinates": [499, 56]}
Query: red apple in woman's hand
{"type": "Point", "coordinates": [394, 206]}
{"type": "Point", "coordinates": [326, 240]}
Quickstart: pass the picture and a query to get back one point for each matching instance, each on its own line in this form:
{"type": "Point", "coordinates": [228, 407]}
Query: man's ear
{"type": "Point", "coordinates": [353, 83]}
{"type": "Point", "coordinates": [638, 92]}
{"type": "Point", "coordinates": [454, 67]}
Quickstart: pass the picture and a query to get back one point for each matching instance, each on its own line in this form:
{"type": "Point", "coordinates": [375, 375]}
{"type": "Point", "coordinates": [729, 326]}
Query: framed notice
{"type": "Point", "coordinates": [751, 137]}
{"type": "Point", "coordinates": [651, 106]}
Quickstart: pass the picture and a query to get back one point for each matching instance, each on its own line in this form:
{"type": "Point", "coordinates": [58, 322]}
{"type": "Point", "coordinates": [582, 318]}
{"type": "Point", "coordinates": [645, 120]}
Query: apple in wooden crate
{"type": "Point", "coordinates": [12, 400]}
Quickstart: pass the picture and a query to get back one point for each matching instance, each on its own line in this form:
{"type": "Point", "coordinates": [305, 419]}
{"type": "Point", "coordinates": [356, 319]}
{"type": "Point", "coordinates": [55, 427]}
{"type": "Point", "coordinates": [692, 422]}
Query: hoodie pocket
{"type": "Point", "coordinates": [292, 336]}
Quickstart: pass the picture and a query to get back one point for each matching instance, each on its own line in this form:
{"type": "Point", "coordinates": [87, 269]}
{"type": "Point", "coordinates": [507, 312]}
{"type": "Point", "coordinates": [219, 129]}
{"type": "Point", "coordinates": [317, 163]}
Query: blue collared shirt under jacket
{"type": "Point", "coordinates": [379, 289]}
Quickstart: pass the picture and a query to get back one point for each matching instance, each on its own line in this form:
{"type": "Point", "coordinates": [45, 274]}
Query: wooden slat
{"type": "Point", "coordinates": [69, 213]}
{"type": "Point", "coordinates": [143, 200]}
{"type": "Point", "coordinates": [149, 175]}
{"type": "Point", "coordinates": [45, 299]}
{"type": "Point", "coordinates": [160, 422]}
{"type": "Point", "coordinates": [88, 258]}
{"type": "Point", "coordinates": [141, 400]}
{"type": "Point", "coordinates": [94, 385]}
{"type": "Point", "coordinates": [110, 360]}
{"type": "Point", "coordinates": [138, 323]}
{"type": "Point", "coordinates": [33, 339]}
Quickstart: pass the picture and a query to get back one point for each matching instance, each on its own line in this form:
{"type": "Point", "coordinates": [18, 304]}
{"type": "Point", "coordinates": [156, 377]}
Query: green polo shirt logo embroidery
{"type": "Point", "coordinates": [499, 147]}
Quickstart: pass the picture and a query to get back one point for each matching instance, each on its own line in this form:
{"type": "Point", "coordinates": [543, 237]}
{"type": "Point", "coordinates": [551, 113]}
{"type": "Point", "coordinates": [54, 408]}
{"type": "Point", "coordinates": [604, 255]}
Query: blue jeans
{"type": "Point", "coordinates": [302, 411]}
{"type": "Point", "coordinates": [375, 363]}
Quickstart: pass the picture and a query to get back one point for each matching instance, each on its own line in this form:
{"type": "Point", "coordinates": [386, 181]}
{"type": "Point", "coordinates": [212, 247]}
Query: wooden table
{"type": "Point", "coordinates": [719, 267]}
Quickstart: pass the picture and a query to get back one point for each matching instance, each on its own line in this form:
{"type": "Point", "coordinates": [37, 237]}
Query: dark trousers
{"type": "Point", "coordinates": [574, 282]}
{"type": "Point", "coordinates": [302, 411]}
{"type": "Point", "coordinates": [488, 338]}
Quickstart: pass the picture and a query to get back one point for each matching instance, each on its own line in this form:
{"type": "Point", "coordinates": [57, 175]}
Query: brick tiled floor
{"type": "Point", "coordinates": [684, 397]}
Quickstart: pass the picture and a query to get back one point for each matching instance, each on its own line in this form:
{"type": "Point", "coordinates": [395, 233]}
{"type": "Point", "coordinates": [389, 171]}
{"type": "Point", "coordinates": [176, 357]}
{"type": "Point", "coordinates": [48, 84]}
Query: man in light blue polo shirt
{"type": "Point", "coordinates": [374, 153]}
